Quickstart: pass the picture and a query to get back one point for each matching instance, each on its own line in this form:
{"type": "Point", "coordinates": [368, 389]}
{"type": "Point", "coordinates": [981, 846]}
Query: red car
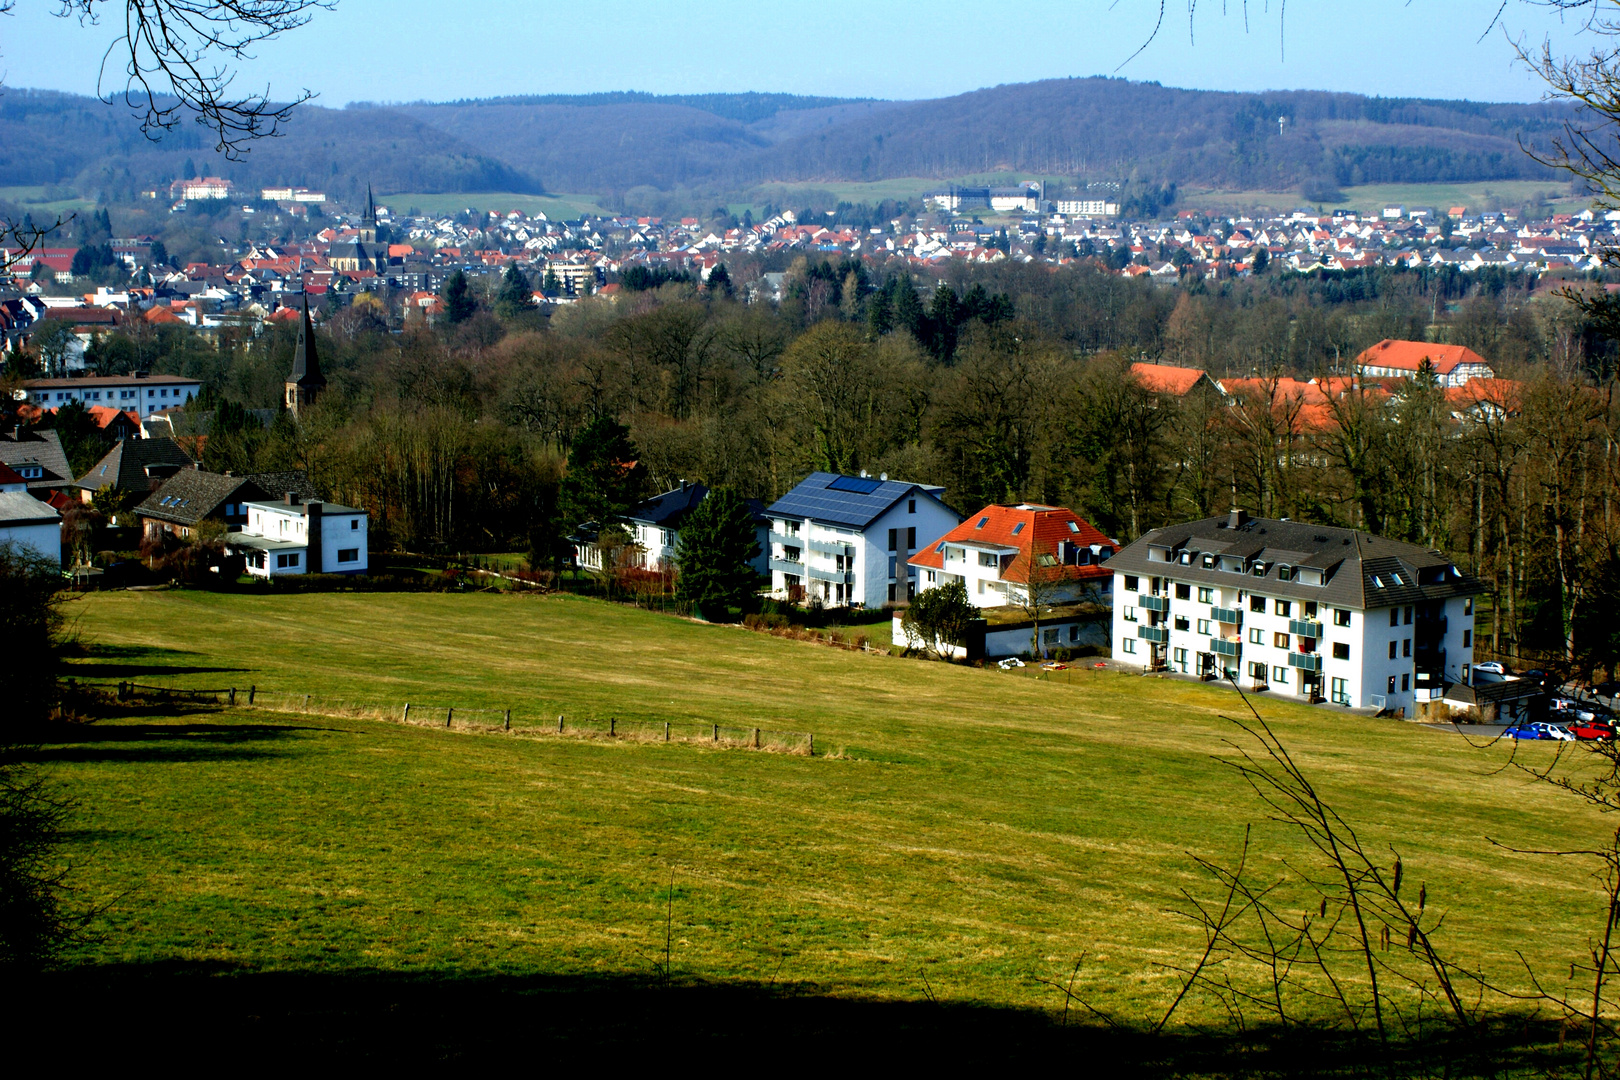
{"type": "Point", "coordinates": [1592, 729]}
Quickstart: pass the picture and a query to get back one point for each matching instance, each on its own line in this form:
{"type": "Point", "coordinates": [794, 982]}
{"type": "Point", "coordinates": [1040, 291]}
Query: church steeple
{"type": "Point", "coordinates": [368, 220]}
{"type": "Point", "coordinates": [306, 382]}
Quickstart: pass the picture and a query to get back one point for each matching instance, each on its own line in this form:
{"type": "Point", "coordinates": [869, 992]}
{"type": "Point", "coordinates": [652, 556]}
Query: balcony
{"type": "Point", "coordinates": [784, 538]}
{"type": "Point", "coordinates": [1222, 647]}
{"type": "Point", "coordinates": [1226, 615]}
{"type": "Point", "coordinates": [843, 577]}
{"type": "Point", "coordinates": [1305, 628]}
{"type": "Point", "coordinates": [1153, 633]}
{"type": "Point", "coordinates": [1305, 661]}
{"type": "Point", "coordinates": [1152, 603]}
{"type": "Point", "coordinates": [831, 547]}
{"type": "Point", "coordinates": [788, 566]}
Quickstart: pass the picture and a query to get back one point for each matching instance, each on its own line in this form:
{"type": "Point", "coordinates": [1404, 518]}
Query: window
{"type": "Point", "coordinates": [1129, 645]}
{"type": "Point", "coordinates": [894, 541]}
{"type": "Point", "coordinates": [1406, 683]}
{"type": "Point", "coordinates": [1394, 618]}
{"type": "Point", "coordinates": [1279, 675]}
{"type": "Point", "coordinates": [1279, 641]}
{"type": "Point", "coordinates": [1341, 695]}
{"type": "Point", "coordinates": [1259, 569]}
{"type": "Point", "coordinates": [911, 538]}
{"type": "Point", "coordinates": [1181, 622]}
{"type": "Point", "coordinates": [1206, 596]}
{"type": "Point", "coordinates": [1406, 647]}
{"type": "Point", "coordinates": [1284, 608]}
{"type": "Point", "coordinates": [354, 524]}
{"type": "Point", "coordinates": [1392, 684]}
{"type": "Point", "coordinates": [911, 506]}
{"type": "Point", "coordinates": [1310, 609]}
{"type": "Point", "coordinates": [932, 579]}
{"type": "Point", "coordinates": [1468, 639]}
{"type": "Point", "coordinates": [791, 528]}
{"type": "Point", "coordinates": [1341, 651]}
{"type": "Point", "coordinates": [1018, 528]}
{"type": "Point", "coordinates": [982, 523]}
{"type": "Point", "coordinates": [892, 561]}
{"type": "Point", "coordinates": [1257, 603]}
{"type": "Point", "coordinates": [1127, 613]}
{"type": "Point", "coordinates": [988, 558]}
{"type": "Point", "coordinates": [1468, 606]}
{"type": "Point", "coordinates": [1050, 637]}
{"type": "Point", "coordinates": [1341, 617]}
{"type": "Point", "coordinates": [1074, 632]}
{"type": "Point", "coordinates": [1209, 562]}
{"type": "Point", "coordinates": [348, 555]}
{"type": "Point", "coordinates": [1183, 592]}
{"type": "Point", "coordinates": [1257, 671]}
{"type": "Point", "coordinates": [1203, 626]}
{"type": "Point", "coordinates": [1409, 615]}
{"type": "Point", "coordinates": [1392, 650]}
{"type": "Point", "coordinates": [1180, 657]}
{"type": "Point", "coordinates": [1285, 572]}
{"type": "Point", "coordinates": [1132, 583]}
{"type": "Point", "coordinates": [286, 559]}
{"type": "Point", "coordinates": [1074, 527]}
{"type": "Point", "coordinates": [891, 590]}
{"type": "Point", "coordinates": [1257, 636]}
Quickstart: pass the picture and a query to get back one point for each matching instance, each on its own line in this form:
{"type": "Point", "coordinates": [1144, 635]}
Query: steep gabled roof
{"type": "Point", "coordinates": [306, 366]}
{"type": "Point", "coordinates": [1031, 530]}
{"type": "Point", "coordinates": [34, 446]}
{"type": "Point", "coordinates": [133, 464]}
{"type": "Point", "coordinates": [192, 495]}
{"type": "Point", "coordinates": [854, 501]}
{"type": "Point", "coordinates": [669, 509]}
{"type": "Point", "coordinates": [1169, 379]}
{"type": "Point", "coordinates": [1409, 356]}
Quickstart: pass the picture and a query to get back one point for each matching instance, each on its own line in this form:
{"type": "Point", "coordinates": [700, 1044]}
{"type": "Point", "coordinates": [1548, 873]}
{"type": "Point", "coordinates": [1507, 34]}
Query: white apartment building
{"type": "Point", "coordinates": [139, 394]}
{"type": "Point", "coordinates": [847, 540]}
{"type": "Point", "coordinates": [1321, 613]}
{"type": "Point", "coordinates": [292, 536]}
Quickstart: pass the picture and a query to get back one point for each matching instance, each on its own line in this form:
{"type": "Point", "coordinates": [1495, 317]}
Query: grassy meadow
{"type": "Point", "coordinates": [964, 830]}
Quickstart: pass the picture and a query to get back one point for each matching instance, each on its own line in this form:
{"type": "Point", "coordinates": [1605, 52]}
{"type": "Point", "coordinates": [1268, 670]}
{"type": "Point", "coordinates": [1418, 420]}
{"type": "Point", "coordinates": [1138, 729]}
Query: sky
{"type": "Point", "coordinates": [414, 50]}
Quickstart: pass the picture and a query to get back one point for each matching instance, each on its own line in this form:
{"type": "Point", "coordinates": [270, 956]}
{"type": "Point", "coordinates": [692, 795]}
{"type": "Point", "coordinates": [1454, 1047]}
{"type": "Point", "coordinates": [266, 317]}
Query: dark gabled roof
{"type": "Point", "coordinates": [306, 366]}
{"type": "Point", "coordinates": [1359, 570]}
{"type": "Point", "coordinates": [133, 464]}
{"type": "Point", "coordinates": [669, 509]}
{"type": "Point", "coordinates": [846, 500]}
{"type": "Point", "coordinates": [277, 484]}
{"type": "Point", "coordinates": [37, 446]}
{"type": "Point", "coordinates": [192, 495]}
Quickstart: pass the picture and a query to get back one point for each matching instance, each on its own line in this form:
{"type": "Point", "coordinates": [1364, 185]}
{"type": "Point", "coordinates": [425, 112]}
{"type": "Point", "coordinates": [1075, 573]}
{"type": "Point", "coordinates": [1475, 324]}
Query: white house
{"type": "Point", "coordinates": [995, 553]}
{"type": "Point", "coordinates": [294, 536]}
{"type": "Point", "coordinates": [654, 526]}
{"type": "Point", "coordinates": [1313, 611]}
{"type": "Point", "coordinates": [1452, 365]}
{"type": "Point", "coordinates": [29, 523]}
{"type": "Point", "coordinates": [847, 540]}
{"type": "Point", "coordinates": [138, 394]}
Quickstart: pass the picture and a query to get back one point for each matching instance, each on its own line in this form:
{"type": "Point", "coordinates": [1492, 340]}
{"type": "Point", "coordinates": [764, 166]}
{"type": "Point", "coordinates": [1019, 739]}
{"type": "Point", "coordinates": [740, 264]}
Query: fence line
{"type": "Point", "coordinates": [484, 720]}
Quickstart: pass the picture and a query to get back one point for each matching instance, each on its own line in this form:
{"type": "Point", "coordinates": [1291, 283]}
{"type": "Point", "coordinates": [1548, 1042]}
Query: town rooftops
{"type": "Point", "coordinates": [19, 508]}
{"type": "Point", "coordinates": [855, 501]}
{"type": "Point", "coordinates": [37, 457]}
{"type": "Point", "coordinates": [1169, 379]}
{"type": "Point", "coordinates": [1341, 567]}
{"type": "Point", "coordinates": [300, 506]}
{"type": "Point", "coordinates": [192, 495]}
{"type": "Point", "coordinates": [132, 465]}
{"type": "Point", "coordinates": [1409, 356]}
{"type": "Point", "coordinates": [107, 380]}
{"type": "Point", "coordinates": [1047, 532]}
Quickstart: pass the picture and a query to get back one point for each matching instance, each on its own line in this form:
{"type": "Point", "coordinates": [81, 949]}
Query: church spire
{"type": "Point", "coordinates": [305, 382]}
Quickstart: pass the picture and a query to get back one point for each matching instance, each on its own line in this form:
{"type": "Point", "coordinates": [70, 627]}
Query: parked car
{"type": "Point", "coordinates": [1536, 675]}
{"type": "Point", "coordinates": [1492, 666]}
{"type": "Point", "coordinates": [1592, 729]}
{"type": "Point", "coordinates": [1578, 710]}
{"type": "Point", "coordinates": [1485, 678]}
{"type": "Point", "coordinates": [1538, 730]}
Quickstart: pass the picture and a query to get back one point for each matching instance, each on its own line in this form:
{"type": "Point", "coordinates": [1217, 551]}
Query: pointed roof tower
{"type": "Point", "coordinates": [306, 366]}
{"type": "Point", "coordinates": [370, 217]}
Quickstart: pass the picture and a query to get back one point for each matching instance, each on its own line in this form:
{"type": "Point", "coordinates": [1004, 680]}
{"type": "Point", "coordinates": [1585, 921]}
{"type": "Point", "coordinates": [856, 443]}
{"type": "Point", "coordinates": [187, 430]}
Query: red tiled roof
{"type": "Point", "coordinates": [1409, 356]}
{"type": "Point", "coordinates": [1046, 526]}
{"type": "Point", "coordinates": [8, 475]}
{"type": "Point", "coordinates": [1166, 378]}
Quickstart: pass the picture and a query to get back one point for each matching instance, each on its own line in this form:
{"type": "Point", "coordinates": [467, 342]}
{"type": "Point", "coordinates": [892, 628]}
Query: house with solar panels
{"type": "Point", "coordinates": [847, 540]}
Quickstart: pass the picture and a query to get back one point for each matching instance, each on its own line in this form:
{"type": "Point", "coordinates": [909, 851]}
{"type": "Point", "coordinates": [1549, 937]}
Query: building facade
{"type": "Point", "coordinates": [1312, 611]}
{"type": "Point", "coordinates": [138, 394]}
{"type": "Point", "coordinates": [848, 540]}
{"type": "Point", "coordinates": [293, 535]}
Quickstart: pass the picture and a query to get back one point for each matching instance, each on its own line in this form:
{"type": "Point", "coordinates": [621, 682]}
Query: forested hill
{"type": "Point", "coordinates": [1094, 129]}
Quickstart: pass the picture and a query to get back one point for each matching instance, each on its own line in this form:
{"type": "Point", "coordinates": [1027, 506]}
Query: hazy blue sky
{"type": "Point", "coordinates": [393, 50]}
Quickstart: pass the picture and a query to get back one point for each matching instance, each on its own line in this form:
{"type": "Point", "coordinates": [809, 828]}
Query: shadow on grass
{"type": "Point", "coordinates": [157, 742]}
{"type": "Point", "coordinates": [208, 1013]}
{"type": "Point", "coordinates": [99, 661]}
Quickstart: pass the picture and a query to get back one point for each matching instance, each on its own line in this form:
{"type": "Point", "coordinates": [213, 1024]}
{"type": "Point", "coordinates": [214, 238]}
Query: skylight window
{"type": "Point", "coordinates": [982, 523]}
{"type": "Point", "coordinates": [1018, 528]}
{"type": "Point", "coordinates": [940, 547]}
{"type": "Point", "coordinates": [1074, 526]}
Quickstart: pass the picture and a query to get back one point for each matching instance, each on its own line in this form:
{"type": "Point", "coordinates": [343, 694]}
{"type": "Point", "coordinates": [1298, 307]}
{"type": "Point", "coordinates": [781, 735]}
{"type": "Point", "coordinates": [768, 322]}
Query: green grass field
{"type": "Point", "coordinates": [555, 207]}
{"type": "Point", "coordinates": [1372, 198]}
{"type": "Point", "coordinates": [972, 828]}
{"type": "Point", "coordinates": [37, 197]}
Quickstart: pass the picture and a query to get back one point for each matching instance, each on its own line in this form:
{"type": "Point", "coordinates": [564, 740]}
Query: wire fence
{"type": "Point", "coordinates": [460, 718]}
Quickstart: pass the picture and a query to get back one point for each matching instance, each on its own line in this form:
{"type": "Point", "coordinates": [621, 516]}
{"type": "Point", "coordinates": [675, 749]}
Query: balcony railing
{"type": "Point", "coordinates": [788, 566]}
{"type": "Point", "coordinates": [1305, 661]}
{"type": "Point", "coordinates": [1222, 647]}
{"type": "Point", "coordinates": [1305, 628]}
{"type": "Point", "coordinates": [784, 538]}
{"type": "Point", "coordinates": [1152, 603]}
{"type": "Point", "coordinates": [831, 547]}
{"type": "Point", "coordinates": [841, 576]}
{"type": "Point", "coordinates": [1226, 615]}
{"type": "Point", "coordinates": [1153, 633]}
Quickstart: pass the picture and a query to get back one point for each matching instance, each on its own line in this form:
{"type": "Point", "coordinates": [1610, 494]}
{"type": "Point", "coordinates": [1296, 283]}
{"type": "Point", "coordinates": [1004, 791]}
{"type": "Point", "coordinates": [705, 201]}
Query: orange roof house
{"type": "Point", "coordinates": [994, 551]}
{"type": "Point", "coordinates": [1172, 380]}
{"type": "Point", "coordinates": [1453, 365]}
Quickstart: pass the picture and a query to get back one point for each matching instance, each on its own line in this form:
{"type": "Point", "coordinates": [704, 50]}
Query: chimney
{"type": "Point", "coordinates": [1238, 519]}
{"type": "Point", "coordinates": [314, 530]}
{"type": "Point", "coordinates": [292, 498]}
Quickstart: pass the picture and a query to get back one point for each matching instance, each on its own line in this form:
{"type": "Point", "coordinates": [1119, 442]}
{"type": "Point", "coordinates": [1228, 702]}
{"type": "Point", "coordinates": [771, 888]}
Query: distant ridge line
{"type": "Point", "coordinates": [747, 108]}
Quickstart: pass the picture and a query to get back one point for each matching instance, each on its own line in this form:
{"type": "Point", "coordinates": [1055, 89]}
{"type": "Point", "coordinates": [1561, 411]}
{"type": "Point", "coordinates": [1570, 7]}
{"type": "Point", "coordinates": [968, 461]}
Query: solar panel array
{"type": "Point", "coordinates": [829, 498]}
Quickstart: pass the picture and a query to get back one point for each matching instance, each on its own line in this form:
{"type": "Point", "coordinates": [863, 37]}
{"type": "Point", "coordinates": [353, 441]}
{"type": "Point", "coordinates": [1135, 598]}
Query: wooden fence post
{"type": "Point", "coordinates": [508, 719]}
{"type": "Point", "coordinates": [559, 723]}
{"type": "Point", "coordinates": [666, 731]}
{"type": "Point", "coordinates": [812, 738]}
{"type": "Point", "coordinates": [756, 738]}
{"type": "Point", "coordinates": [717, 733]}
{"type": "Point", "coordinates": [252, 690]}
{"type": "Point", "coordinates": [407, 717]}
{"type": "Point", "coordinates": [449, 715]}
{"type": "Point", "coordinates": [233, 695]}
{"type": "Point", "coordinates": [306, 703]}
{"type": "Point", "coordinates": [613, 725]}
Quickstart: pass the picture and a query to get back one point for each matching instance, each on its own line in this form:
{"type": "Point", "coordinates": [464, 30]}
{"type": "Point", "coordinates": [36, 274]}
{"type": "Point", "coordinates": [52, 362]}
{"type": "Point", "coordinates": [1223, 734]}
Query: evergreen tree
{"type": "Point", "coordinates": [880, 311]}
{"type": "Point", "coordinates": [908, 312]}
{"type": "Point", "coordinates": [513, 299]}
{"type": "Point", "coordinates": [1262, 259]}
{"type": "Point", "coordinates": [457, 297]}
{"type": "Point", "coordinates": [717, 543]}
{"type": "Point", "coordinates": [605, 475]}
{"type": "Point", "coordinates": [719, 280]}
{"type": "Point", "coordinates": [160, 254]}
{"type": "Point", "coordinates": [551, 284]}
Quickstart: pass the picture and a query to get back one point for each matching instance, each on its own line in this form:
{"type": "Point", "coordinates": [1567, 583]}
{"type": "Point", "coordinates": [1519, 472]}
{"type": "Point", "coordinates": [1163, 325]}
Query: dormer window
{"type": "Point", "coordinates": [1285, 572]}
{"type": "Point", "coordinates": [1259, 569]}
{"type": "Point", "coordinates": [1209, 562]}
